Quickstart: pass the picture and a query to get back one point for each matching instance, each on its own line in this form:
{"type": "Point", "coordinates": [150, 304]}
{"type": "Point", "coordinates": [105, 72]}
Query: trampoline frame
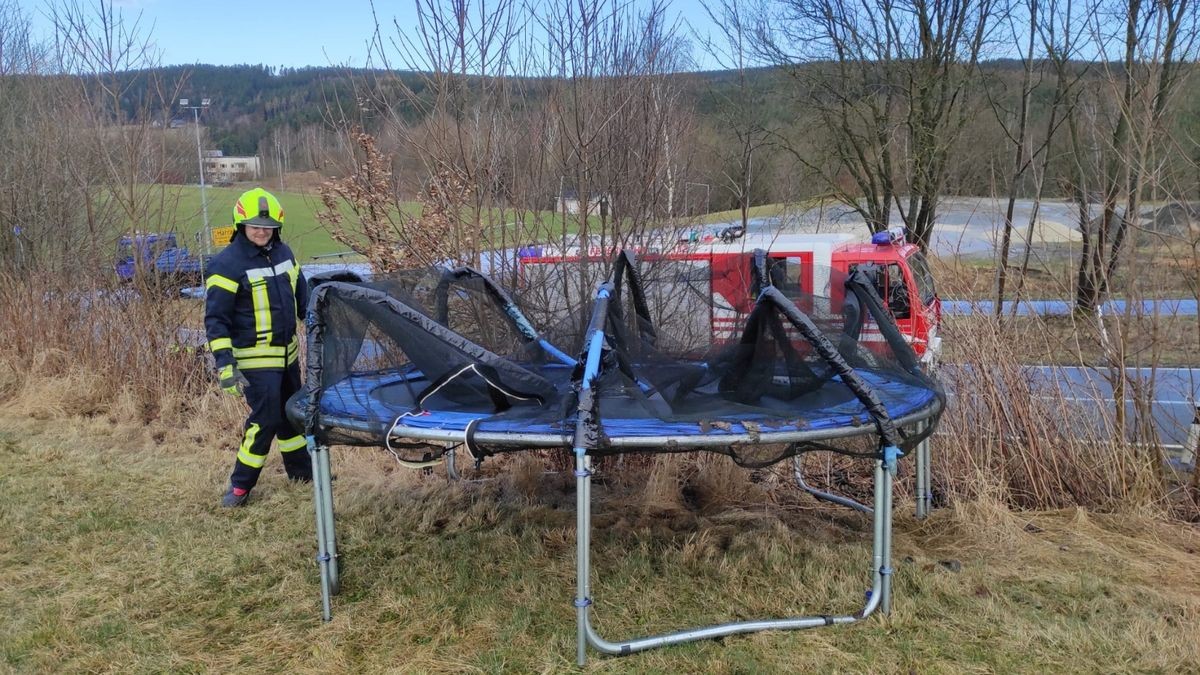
{"type": "Point", "coordinates": [586, 439]}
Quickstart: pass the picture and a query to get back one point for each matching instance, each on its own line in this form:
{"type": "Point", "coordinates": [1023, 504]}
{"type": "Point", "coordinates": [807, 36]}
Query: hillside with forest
{"type": "Point", "coordinates": [289, 116]}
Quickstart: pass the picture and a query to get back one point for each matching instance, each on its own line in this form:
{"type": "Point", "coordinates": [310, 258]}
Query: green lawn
{"type": "Point", "coordinates": [308, 237]}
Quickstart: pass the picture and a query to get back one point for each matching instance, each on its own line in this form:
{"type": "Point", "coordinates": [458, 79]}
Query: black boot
{"type": "Point", "coordinates": [235, 497]}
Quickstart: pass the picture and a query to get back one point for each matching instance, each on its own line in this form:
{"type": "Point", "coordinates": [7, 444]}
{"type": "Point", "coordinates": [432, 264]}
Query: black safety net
{"type": "Point", "coordinates": [754, 357]}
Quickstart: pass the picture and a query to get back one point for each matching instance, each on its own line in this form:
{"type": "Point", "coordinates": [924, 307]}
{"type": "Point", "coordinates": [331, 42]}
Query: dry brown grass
{"type": "Point", "coordinates": [118, 558]}
{"type": "Point", "coordinates": [1171, 274]}
{"type": "Point", "coordinates": [1031, 447]}
{"type": "Point", "coordinates": [79, 349]}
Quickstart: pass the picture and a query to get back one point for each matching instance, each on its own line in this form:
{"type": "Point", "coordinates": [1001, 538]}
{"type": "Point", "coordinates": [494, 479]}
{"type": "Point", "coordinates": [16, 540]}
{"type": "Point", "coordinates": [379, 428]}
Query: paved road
{"type": "Point", "coordinates": [1088, 392]}
{"type": "Point", "coordinates": [1167, 307]}
{"type": "Point", "coordinates": [967, 226]}
{"type": "Point", "coordinates": [1176, 391]}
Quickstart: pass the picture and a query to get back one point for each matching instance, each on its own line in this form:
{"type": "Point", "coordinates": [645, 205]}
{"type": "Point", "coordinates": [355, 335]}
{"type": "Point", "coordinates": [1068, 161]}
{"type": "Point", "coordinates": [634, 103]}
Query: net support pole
{"type": "Point", "coordinates": [585, 435]}
{"type": "Point", "coordinates": [876, 598]}
{"type": "Point", "coordinates": [323, 507]}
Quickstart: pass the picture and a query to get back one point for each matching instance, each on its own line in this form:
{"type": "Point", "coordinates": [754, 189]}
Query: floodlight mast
{"type": "Point", "coordinates": [183, 103]}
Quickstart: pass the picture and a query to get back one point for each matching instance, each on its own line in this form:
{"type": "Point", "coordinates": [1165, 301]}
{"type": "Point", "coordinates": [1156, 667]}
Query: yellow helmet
{"type": "Point", "coordinates": [259, 208]}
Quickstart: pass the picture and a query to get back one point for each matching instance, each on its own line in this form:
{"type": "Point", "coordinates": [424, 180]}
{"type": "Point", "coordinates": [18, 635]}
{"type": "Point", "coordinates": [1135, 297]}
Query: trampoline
{"type": "Point", "coordinates": [432, 362]}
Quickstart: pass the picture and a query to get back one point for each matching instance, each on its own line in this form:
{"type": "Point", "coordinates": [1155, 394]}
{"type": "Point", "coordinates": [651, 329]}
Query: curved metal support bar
{"type": "Point", "coordinates": [710, 632]}
{"type": "Point", "coordinates": [829, 352]}
{"type": "Point", "coordinates": [877, 598]}
{"type": "Point", "coordinates": [798, 472]}
{"type": "Point", "coordinates": [503, 300]}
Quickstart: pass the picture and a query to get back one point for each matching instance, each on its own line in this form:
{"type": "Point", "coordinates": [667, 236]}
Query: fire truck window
{"type": "Point", "coordinates": [785, 274]}
{"type": "Point", "coordinates": [897, 292]}
{"type": "Point", "coordinates": [923, 277]}
{"type": "Point", "coordinates": [879, 278]}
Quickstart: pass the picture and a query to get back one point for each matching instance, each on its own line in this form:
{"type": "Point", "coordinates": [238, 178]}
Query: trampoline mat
{"type": "Point", "coordinates": [375, 401]}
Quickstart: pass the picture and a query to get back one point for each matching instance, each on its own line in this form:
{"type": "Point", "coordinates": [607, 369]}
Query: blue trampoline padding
{"type": "Point", "coordinates": [353, 398]}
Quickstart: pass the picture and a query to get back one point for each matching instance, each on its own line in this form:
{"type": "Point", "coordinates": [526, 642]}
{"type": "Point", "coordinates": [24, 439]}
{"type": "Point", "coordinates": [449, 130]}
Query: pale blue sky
{"type": "Point", "coordinates": [281, 32]}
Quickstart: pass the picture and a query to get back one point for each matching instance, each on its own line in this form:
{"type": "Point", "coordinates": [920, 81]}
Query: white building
{"type": "Point", "coordinates": [598, 204]}
{"type": "Point", "coordinates": [221, 169]}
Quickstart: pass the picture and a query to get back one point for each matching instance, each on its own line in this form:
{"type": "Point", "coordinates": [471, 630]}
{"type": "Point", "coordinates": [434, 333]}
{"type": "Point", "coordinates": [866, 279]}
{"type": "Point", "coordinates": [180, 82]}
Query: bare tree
{"type": "Point", "coordinates": [616, 130]}
{"type": "Point", "coordinates": [1145, 49]}
{"type": "Point", "coordinates": [121, 154]}
{"type": "Point", "coordinates": [1050, 42]}
{"type": "Point", "coordinates": [746, 130]}
{"type": "Point", "coordinates": [490, 130]}
{"type": "Point", "coordinates": [889, 82]}
{"type": "Point", "coordinates": [1060, 30]}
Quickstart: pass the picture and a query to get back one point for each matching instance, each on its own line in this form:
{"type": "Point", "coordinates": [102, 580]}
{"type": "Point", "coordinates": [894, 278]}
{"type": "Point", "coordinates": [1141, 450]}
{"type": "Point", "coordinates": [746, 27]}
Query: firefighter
{"type": "Point", "coordinates": [255, 296]}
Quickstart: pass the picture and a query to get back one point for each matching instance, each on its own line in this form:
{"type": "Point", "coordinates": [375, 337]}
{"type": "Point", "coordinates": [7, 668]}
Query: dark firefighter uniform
{"type": "Point", "coordinates": [255, 296]}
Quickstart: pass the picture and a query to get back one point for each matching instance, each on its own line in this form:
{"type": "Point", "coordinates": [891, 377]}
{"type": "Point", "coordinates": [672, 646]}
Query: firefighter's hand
{"type": "Point", "coordinates": [232, 380]}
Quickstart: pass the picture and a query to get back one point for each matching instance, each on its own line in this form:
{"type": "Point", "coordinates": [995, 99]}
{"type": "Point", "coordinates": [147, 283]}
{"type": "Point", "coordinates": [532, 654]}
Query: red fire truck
{"type": "Point", "coordinates": [901, 273]}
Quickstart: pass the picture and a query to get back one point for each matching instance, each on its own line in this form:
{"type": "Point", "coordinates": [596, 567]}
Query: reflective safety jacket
{"type": "Point", "coordinates": [254, 297]}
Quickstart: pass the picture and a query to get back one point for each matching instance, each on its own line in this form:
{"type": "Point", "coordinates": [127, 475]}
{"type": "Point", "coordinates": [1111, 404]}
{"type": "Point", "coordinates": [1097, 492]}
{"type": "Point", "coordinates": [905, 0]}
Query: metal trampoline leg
{"type": "Point", "coordinates": [324, 558]}
{"type": "Point", "coordinates": [927, 455]}
{"type": "Point", "coordinates": [924, 494]}
{"type": "Point", "coordinates": [924, 452]}
{"type": "Point", "coordinates": [884, 524]}
{"type": "Point", "coordinates": [335, 584]}
{"type": "Point", "coordinates": [451, 465]}
{"type": "Point", "coordinates": [583, 527]}
{"type": "Point", "coordinates": [587, 636]}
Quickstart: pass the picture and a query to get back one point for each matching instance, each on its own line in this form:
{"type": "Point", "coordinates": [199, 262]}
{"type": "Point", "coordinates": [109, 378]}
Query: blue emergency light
{"type": "Point", "coordinates": [892, 235]}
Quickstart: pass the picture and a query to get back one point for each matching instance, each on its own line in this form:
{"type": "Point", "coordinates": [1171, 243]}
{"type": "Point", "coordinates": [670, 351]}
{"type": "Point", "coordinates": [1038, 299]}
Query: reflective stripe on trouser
{"type": "Point", "coordinates": [267, 394]}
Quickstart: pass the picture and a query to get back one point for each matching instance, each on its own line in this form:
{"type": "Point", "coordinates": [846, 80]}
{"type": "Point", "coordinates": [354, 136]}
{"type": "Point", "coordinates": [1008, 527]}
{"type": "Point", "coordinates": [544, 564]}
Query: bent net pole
{"type": "Point", "coordinates": [588, 436]}
{"type": "Point", "coordinates": [860, 285]}
{"type": "Point", "coordinates": [501, 299]}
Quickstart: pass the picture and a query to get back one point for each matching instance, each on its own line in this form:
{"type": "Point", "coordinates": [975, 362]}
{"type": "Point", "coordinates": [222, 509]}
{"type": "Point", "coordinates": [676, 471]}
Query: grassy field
{"type": "Point", "coordinates": [116, 557]}
{"type": "Point", "coordinates": [304, 234]}
{"type": "Point", "coordinates": [308, 237]}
